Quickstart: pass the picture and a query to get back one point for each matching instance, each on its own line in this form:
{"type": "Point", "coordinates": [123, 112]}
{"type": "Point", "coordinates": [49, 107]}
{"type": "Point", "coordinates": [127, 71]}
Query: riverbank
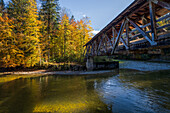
{"type": "Point", "coordinates": [139, 66]}
{"type": "Point", "coordinates": [10, 76]}
{"type": "Point", "coordinates": [45, 72]}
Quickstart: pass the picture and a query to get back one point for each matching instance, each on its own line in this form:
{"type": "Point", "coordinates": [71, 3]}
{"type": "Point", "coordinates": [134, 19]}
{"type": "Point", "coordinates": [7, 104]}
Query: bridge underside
{"type": "Point", "coordinates": [144, 25]}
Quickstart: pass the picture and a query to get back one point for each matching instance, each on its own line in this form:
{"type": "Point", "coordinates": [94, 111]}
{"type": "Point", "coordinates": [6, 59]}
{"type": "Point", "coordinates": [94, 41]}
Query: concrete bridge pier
{"type": "Point", "coordinates": [89, 64]}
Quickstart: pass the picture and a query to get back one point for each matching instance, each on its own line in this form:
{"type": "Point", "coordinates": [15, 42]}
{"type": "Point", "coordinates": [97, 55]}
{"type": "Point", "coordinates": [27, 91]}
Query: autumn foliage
{"type": "Point", "coordinates": [30, 36]}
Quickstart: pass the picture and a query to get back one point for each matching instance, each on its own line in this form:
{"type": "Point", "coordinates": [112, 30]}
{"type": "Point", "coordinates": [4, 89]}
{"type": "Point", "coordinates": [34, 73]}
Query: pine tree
{"type": "Point", "coordinates": [49, 14]}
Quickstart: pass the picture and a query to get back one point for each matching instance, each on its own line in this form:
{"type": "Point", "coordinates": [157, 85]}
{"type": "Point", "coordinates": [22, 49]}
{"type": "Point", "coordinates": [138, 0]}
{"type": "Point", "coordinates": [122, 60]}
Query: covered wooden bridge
{"type": "Point", "coordinates": [143, 24]}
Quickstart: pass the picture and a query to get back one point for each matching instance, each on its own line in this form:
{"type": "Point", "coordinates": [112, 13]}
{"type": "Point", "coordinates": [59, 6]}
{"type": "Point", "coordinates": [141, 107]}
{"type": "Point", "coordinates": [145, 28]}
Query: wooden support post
{"type": "Point", "coordinates": [113, 33]}
{"type": "Point", "coordinates": [118, 37]}
{"type": "Point", "coordinates": [95, 47]}
{"type": "Point", "coordinates": [92, 49]}
{"type": "Point", "coordinates": [109, 40]}
{"type": "Point", "coordinates": [145, 22]}
{"type": "Point", "coordinates": [147, 37]}
{"type": "Point", "coordinates": [153, 20]}
{"type": "Point", "coordinates": [87, 52]}
{"type": "Point", "coordinates": [104, 43]}
{"type": "Point", "coordinates": [99, 45]}
{"type": "Point", "coordinates": [127, 35]}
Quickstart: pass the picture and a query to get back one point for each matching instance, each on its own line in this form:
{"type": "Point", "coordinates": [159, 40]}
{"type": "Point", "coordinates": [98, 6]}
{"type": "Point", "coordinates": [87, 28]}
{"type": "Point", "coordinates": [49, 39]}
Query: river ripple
{"type": "Point", "coordinates": [126, 91]}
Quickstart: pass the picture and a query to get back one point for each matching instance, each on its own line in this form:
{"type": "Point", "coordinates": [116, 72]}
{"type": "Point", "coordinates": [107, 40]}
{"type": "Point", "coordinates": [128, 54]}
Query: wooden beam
{"type": "Point", "coordinates": [124, 43]}
{"type": "Point", "coordinates": [99, 45]}
{"type": "Point", "coordinates": [87, 53]}
{"type": "Point", "coordinates": [104, 43]}
{"type": "Point", "coordinates": [153, 20]}
{"type": "Point", "coordinates": [127, 34]}
{"type": "Point", "coordinates": [119, 35]}
{"type": "Point", "coordinates": [109, 40]}
{"type": "Point", "coordinates": [162, 4]}
{"type": "Point", "coordinates": [147, 37]}
{"type": "Point", "coordinates": [113, 34]}
{"type": "Point", "coordinates": [122, 40]}
{"type": "Point", "coordinates": [92, 48]}
{"type": "Point", "coordinates": [95, 47]}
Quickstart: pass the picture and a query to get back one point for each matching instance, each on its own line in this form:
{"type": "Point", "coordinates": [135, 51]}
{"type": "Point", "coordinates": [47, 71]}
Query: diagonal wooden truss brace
{"type": "Point", "coordinates": [147, 37]}
{"type": "Point", "coordinates": [109, 40]}
{"type": "Point", "coordinates": [119, 36]}
{"type": "Point", "coordinates": [122, 40]}
{"type": "Point", "coordinates": [162, 4]}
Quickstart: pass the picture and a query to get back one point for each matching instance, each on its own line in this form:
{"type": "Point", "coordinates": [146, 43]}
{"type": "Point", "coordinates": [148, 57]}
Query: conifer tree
{"type": "Point", "coordinates": [49, 14]}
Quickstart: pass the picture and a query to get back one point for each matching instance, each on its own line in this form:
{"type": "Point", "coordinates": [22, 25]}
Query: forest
{"type": "Point", "coordinates": [36, 36]}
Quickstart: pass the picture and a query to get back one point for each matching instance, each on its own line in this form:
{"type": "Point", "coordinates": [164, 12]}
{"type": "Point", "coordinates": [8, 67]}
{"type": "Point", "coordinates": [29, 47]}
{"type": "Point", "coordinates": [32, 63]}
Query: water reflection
{"type": "Point", "coordinates": [133, 91]}
{"type": "Point", "coordinates": [129, 91]}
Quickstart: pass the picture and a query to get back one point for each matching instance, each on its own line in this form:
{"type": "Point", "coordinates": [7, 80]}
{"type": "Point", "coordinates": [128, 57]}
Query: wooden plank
{"type": "Point", "coordinates": [142, 32]}
{"type": "Point", "coordinates": [153, 20]}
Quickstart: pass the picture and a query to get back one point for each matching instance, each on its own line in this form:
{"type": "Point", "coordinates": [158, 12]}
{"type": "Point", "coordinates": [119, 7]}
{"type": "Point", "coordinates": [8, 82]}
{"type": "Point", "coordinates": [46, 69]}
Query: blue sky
{"type": "Point", "coordinates": [100, 12]}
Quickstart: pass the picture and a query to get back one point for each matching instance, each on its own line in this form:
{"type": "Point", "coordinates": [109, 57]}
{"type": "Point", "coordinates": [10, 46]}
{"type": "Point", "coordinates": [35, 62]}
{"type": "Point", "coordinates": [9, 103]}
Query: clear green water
{"type": "Point", "coordinates": [128, 91]}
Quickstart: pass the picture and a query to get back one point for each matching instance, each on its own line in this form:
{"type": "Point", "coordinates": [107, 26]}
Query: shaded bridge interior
{"type": "Point", "coordinates": [143, 24]}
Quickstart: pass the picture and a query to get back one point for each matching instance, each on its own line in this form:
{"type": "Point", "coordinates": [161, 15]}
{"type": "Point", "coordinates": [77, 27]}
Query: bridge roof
{"type": "Point", "coordinates": [134, 7]}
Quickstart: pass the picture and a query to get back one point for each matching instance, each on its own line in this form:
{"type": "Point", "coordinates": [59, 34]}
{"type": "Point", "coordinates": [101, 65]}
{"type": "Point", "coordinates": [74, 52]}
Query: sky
{"type": "Point", "coordinates": [100, 12]}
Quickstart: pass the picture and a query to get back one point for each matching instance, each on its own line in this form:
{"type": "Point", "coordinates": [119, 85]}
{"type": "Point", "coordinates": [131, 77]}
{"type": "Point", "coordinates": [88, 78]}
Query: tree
{"type": "Point", "coordinates": [2, 6]}
{"type": "Point", "coordinates": [10, 53]}
{"type": "Point", "coordinates": [64, 36]}
{"type": "Point", "coordinates": [85, 34]}
{"type": "Point", "coordinates": [49, 15]}
{"type": "Point", "coordinates": [26, 28]}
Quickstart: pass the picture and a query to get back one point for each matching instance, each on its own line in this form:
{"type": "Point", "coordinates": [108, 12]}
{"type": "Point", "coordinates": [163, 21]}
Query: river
{"type": "Point", "coordinates": [123, 91]}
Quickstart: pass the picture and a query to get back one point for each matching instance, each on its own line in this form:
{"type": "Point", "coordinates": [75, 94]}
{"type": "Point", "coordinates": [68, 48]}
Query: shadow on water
{"type": "Point", "coordinates": [126, 92]}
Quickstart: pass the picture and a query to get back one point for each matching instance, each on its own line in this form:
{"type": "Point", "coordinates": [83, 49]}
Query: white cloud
{"type": "Point", "coordinates": [84, 15]}
{"type": "Point", "coordinates": [95, 32]}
